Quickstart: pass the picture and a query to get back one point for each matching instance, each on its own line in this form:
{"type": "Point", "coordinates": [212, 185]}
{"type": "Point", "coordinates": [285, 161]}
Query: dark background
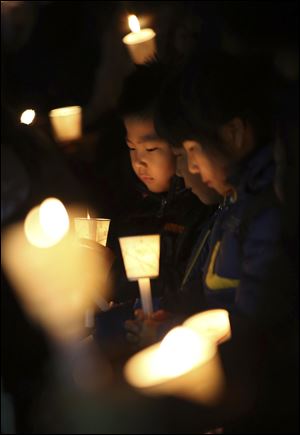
{"type": "Point", "coordinates": [61, 53]}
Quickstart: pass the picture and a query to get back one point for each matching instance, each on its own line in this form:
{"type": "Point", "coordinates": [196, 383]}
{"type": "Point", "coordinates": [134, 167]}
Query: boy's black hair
{"type": "Point", "coordinates": [210, 90]}
{"type": "Point", "coordinates": [140, 91]}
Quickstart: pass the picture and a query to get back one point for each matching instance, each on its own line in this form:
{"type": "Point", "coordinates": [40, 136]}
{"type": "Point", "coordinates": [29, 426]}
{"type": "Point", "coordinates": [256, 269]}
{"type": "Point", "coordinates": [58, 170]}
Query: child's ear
{"type": "Point", "coordinates": [233, 133]}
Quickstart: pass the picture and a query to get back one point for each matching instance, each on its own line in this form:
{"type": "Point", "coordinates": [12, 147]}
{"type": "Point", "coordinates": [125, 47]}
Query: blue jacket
{"type": "Point", "coordinates": [236, 257]}
{"type": "Point", "coordinates": [235, 269]}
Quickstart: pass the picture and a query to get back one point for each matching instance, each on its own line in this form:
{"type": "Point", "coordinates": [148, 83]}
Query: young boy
{"type": "Point", "coordinates": [165, 206]}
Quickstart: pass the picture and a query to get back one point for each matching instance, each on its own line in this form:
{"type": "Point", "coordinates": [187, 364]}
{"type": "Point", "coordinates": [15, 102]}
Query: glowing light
{"type": "Point", "coordinates": [46, 225]}
{"type": "Point", "coordinates": [213, 324]}
{"type": "Point", "coordinates": [54, 218]}
{"type": "Point", "coordinates": [134, 24]}
{"type": "Point", "coordinates": [27, 117]}
{"type": "Point", "coordinates": [141, 256]}
{"type": "Point", "coordinates": [180, 351]}
{"type": "Point", "coordinates": [88, 215]}
{"type": "Point", "coordinates": [66, 123]}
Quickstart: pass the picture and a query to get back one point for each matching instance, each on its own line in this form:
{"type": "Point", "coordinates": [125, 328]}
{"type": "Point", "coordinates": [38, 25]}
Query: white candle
{"type": "Point", "coordinates": [145, 292]}
{"type": "Point", "coordinates": [92, 228]}
{"type": "Point", "coordinates": [213, 324]}
{"type": "Point", "coordinates": [140, 42]}
{"type": "Point", "coordinates": [184, 364]}
{"type": "Point", "coordinates": [66, 123]}
{"type": "Point", "coordinates": [141, 261]}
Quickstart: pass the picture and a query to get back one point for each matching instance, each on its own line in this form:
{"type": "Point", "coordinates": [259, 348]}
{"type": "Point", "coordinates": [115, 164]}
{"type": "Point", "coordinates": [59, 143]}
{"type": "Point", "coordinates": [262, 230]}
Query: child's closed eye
{"type": "Point", "coordinates": [150, 150]}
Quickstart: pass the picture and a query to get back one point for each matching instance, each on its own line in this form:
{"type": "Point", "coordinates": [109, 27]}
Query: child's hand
{"type": "Point", "coordinates": [143, 331]}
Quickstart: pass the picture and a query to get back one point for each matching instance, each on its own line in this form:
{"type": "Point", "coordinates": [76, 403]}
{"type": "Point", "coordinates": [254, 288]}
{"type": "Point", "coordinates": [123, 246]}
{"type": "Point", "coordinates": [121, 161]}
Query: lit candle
{"type": "Point", "coordinates": [95, 229]}
{"type": "Point", "coordinates": [183, 364]}
{"type": "Point", "coordinates": [140, 42]}
{"type": "Point", "coordinates": [141, 261]}
{"type": "Point", "coordinates": [54, 277]}
{"type": "Point", "coordinates": [213, 324]}
{"type": "Point", "coordinates": [66, 123]}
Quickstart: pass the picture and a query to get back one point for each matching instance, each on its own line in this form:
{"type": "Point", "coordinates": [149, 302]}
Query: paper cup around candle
{"type": "Point", "coordinates": [141, 256]}
{"type": "Point", "coordinates": [66, 123]}
{"type": "Point", "coordinates": [92, 228]}
{"type": "Point", "coordinates": [141, 45]}
{"type": "Point", "coordinates": [188, 367]}
{"type": "Point", "coordinates": [213, 324]}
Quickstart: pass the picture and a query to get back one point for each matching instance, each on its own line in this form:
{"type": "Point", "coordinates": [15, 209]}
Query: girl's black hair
{"type": "Point", "coordinates": [210, 90]}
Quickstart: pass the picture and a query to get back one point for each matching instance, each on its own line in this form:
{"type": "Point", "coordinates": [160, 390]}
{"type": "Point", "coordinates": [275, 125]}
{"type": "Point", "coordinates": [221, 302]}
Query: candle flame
{"type": "Point", "coordinates": [88, 215]}
{"type": "Point", "coordinates": [27, 116]}
{"type": "Point", "coordinates": [133, 23]}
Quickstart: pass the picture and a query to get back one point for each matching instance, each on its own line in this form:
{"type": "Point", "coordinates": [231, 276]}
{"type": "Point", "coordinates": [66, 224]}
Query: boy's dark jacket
{"type": "Point", "coordinates": [176, 216]}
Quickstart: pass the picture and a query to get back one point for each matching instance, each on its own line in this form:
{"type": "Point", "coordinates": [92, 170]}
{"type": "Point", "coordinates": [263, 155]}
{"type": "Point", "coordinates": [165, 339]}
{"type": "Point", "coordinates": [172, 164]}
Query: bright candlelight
{"type": "Point", "coordinates": [183, 364]}
{"type": "Point", "coordinates": [140, 42]}
{"type": "Point", "coordinates": [47, 224]}
{"type": "Point", "coordinates": [27, 116]}
{"type": "Point", "coordinates": [213, 324]}
{"type": "Point", "coordinates": [54, 277]}
{"type": "Point", "coordinates": [141, 261]}
{"type": "Point", "coordinates": [66, 123]}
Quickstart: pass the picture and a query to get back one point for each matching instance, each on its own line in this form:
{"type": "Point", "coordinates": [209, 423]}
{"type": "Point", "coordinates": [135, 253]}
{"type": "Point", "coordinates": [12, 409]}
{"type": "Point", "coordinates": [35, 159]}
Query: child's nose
{"type": "Point", "coordinates": [140, 159]}
{"type": "Point", "coordinates": [193, 167]}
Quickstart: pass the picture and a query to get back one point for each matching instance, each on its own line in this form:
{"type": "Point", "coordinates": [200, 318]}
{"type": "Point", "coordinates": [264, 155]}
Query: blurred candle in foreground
{"type": "Point", "coordinates": [46, 225]}
{"type": "Point", "coordinates": [55, 278]}
{"type": "Point", "coordinates": [66, 123]}
{"type": "Point", "coordinates": [141, 260]}
{"type": "Point", "coordinates": [184, 364]}
{"type": "Point", "coordinates": [213, 324]}
{"type": "Point", "coordinates": [140, 42]}
{"type": "Point", "coordinates": [27, 116]}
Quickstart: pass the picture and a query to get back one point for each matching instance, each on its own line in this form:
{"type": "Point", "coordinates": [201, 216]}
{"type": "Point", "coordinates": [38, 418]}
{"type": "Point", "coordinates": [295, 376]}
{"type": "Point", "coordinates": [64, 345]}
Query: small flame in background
{"type": "Point", "coordinates": [133, 23]}
{"type": "Point", "coordinates": [88, 215]}
{"type": "Point", "coordinates": [27, 116]}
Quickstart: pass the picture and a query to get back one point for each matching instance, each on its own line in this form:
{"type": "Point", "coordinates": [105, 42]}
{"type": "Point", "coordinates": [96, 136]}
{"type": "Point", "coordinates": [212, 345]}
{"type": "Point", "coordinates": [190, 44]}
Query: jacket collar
{"type": "Point", "coordinates": [255, 172]}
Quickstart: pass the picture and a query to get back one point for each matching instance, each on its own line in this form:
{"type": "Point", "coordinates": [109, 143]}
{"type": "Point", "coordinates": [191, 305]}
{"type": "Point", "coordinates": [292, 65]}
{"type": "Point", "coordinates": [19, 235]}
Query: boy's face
{"type": "Point", "coordinates": [152, 159]}
{"type": "Point", "coordinates": [194, 182]}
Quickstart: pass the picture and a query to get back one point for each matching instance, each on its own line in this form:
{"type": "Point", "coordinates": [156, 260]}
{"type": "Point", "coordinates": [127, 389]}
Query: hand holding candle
{"type": "Point", "coordinates": [141, 260]}
{"type": "Point", "coordinates": [140, 42]}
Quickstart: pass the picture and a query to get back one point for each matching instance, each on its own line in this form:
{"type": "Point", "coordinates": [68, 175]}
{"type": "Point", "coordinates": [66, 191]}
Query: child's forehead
{"type": "Point", "coordinates": [140, 131]}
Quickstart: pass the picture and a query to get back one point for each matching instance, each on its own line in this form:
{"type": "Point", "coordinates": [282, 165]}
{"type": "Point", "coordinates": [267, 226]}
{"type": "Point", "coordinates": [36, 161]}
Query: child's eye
{"type": "Point", "coordinates": [131, 149]}
{"type": "Point", "coordinates": [150, 150]}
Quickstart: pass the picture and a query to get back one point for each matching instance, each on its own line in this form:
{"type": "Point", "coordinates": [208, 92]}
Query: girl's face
{"type": "Point", "coordinates": [212, 171]}
{"type": "Point", "coordinates": [152, 159]}
{"type": "Point", "coordinates": [194, 182]}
